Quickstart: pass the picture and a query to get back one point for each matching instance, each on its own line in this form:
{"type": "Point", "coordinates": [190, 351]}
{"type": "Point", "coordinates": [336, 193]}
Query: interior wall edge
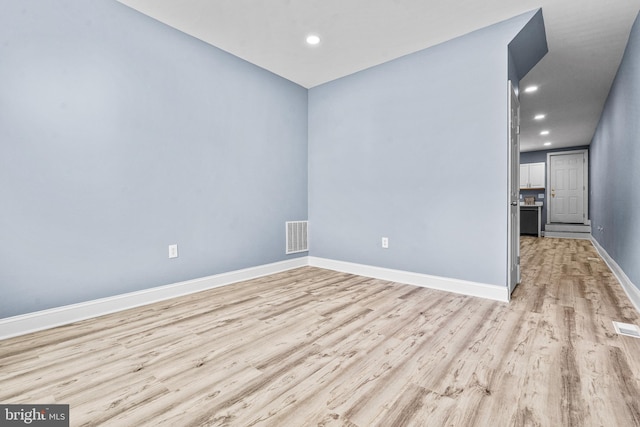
{"type": "Point", "coordinates": [627, 285]}
{"type": "Point", "coordinates": [464, 287]}
{"type": "Point", "coordinates": [46, 319]}
{"type": "Point", "coordinates": [59, 316]}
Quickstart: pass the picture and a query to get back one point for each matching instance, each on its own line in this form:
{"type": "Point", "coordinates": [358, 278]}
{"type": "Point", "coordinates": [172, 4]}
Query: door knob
{"type": "Point", "coordinates": [514, 203]}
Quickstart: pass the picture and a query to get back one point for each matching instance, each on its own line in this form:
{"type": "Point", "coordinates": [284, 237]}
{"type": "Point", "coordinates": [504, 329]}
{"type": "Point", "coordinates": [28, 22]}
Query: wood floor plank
{"type": "Point", "coordinates": [316, 347]}
{"type": "Point", "coordinates": [595, 361]}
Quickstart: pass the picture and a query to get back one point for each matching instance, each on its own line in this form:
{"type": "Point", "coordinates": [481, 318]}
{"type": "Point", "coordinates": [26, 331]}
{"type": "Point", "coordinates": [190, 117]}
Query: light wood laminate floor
{"type": "Point", "coordinates": [312, 347]}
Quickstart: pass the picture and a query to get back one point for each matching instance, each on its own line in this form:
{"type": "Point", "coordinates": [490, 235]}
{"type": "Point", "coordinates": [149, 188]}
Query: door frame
{"type": "Point", "coordinates": [585, 177]}
{"type": "Point", "coordinates": [513, 187]}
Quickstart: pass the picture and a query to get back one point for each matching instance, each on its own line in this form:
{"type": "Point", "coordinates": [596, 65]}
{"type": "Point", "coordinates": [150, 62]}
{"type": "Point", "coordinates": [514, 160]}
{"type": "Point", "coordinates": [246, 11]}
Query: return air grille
{"type": "Point", "coordinates": [297, 238]}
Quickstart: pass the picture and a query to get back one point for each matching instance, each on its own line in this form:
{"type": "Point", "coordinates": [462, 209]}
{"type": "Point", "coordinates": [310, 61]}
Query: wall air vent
{"type": "Point", "coordinates": [297, 236]}
{"type": "Point", "coordinates": [627, 329]}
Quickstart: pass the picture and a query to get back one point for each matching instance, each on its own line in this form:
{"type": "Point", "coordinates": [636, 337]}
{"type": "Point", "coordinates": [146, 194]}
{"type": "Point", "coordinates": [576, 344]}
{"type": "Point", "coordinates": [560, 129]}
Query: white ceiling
{"type": "Point", "coordinates": [586, 40]}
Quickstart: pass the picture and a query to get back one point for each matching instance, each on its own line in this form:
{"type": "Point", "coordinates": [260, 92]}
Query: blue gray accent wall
{"type": "Point", "coordinates": [541, 157]}
{"type": "Point", "coordinates": [120, 136]}
{"type": "Point", "coordinates": [527, 48]}
{"type": "Point", "coordinates": [416, 150]}
{"type": "Point", "coordinates": [615, 166]}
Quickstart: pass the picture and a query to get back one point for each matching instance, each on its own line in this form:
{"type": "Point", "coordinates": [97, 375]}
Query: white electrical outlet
{"type": "Point", "coordinates": [173, 251]}
{"type": "Point", "coordinates": [385, 242]}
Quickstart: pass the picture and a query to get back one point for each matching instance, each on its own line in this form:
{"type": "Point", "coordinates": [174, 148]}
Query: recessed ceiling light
{"type": "Point", "coordinates": [530, 89]}
{"type": "Point", "coordinates": [547, 143]}
{"type": "Point", "coordinates": [313, 39]}
{"type": "Point", "coordinates": [540, 116]}
{"type": "Point", "coordinates": [544, 132]}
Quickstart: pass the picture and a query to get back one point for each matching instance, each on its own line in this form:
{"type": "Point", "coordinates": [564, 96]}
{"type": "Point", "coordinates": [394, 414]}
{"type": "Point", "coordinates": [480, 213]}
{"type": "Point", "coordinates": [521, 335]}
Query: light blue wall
{"type": "Point", "coordinates": [416, 150]}
{"type": "Point", "coordinates": [120, 136]}
{"type": "Point", "coordinates": [615, 165]}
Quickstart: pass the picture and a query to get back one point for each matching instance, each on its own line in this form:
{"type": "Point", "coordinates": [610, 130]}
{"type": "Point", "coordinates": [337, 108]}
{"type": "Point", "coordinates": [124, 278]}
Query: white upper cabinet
{"type": "Point", "coordinates": [536, 175]}
{"type": "Point", "coordinates": [524, 176]}
{"type": "Point", "coordinates": [532, 175]}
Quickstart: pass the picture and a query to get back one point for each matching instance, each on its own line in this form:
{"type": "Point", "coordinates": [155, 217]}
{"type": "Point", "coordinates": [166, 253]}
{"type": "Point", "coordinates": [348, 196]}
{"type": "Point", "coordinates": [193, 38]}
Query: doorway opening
{"type": "Point", "coordinates": [568, 202]}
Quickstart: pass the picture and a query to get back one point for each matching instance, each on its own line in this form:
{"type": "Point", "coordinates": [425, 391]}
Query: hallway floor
{"type": "Point", "coordinates": [317, 347]}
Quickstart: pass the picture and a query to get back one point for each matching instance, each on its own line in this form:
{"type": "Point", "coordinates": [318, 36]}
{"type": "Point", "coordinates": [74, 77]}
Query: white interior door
{"type": "Point", "coordinates": [567, 188]}
{"type": "Point", "coordinates": [514, 190]}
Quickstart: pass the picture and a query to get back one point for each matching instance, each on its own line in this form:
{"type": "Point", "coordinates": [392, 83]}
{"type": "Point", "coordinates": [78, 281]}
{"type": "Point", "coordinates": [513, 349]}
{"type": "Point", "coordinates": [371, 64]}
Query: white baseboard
{"type": "Point", "coordinates": [464, 287]}
{"type": "Point", "coordinates": [45, 319]}
{"type": "Point", "coordinates": [629, 288]}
